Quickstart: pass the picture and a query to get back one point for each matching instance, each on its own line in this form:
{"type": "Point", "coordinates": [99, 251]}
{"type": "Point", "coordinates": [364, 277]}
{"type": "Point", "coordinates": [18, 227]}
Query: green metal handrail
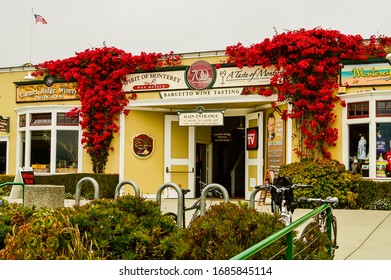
{"type": "Point", "coordinates": [286, 231]}
{"type": "Point", "coordinates": [14, 184]}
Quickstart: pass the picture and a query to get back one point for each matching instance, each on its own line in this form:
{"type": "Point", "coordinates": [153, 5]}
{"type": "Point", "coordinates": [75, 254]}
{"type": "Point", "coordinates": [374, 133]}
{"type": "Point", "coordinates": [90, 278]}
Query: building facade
{"type": "Point", "coordinates": [201, 121]}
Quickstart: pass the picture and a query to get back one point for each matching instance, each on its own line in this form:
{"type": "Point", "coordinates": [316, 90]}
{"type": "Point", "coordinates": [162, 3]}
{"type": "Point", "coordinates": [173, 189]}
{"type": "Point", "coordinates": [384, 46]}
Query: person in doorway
{"type": "Point", "coordinates": [271, 126]}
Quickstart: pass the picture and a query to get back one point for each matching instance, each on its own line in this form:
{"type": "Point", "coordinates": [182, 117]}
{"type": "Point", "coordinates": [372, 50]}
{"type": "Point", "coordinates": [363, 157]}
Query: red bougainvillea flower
{"type": "Point", "coordinates": [100, 73]}
{"type": "Point", "coordinates": [309, 62]}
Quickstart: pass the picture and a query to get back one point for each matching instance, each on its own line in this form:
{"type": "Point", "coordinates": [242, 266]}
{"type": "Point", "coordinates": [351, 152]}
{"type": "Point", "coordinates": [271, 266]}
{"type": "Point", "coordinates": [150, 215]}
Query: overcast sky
{"type": "Point", "coordinates": [171, 25]}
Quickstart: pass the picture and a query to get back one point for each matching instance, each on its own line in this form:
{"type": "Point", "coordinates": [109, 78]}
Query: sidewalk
{"type": "Point", "coordinates": [361, 234]}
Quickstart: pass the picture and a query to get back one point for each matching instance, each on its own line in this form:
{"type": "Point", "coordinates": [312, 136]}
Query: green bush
{"type": "Point", "coordinates": [12, 215]}
{"type": "Point", "coordinates": [374, 195]}
{"type": "Point", "coordinates": [126, 228]}
{"type": "Point", "coordinates": [6, 190]}
{"type": "Point", "coordinates": [328, 178]}
{"type": "Point", "coordinates": [226, 230]}
{"type": "Point", "coordinates": [106, 182]}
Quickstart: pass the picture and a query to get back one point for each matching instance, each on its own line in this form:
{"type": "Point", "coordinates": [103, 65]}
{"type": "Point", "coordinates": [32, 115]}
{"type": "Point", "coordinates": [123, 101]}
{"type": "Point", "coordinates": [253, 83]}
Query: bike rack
{"type": "Point", "coordinates": [251, 203]}
{"type": "Point", "coordinates": [180, 221]}
{"type": "Point", "coordinates": [205, 192]}
{"type": "Point", "coordinates": [78, 189]}
{"type": "Point", "coordinates": [126, 182]}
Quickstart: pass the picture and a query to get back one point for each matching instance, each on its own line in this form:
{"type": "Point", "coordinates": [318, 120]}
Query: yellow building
{"type": "Point", "coordinates": [190, 123]}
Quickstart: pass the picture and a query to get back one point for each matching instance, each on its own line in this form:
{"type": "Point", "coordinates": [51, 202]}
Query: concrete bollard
{"type": "Point", "coordinates": [40, 196]}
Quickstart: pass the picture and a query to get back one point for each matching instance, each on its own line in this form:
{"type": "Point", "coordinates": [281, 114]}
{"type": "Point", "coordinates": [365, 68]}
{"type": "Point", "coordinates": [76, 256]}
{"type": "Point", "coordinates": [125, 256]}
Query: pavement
{"type": "Point", "coordinates": [362, 234]}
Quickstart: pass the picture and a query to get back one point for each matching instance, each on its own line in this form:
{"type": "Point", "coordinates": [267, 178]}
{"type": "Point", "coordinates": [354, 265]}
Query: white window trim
{"type": "Point", "coordinates": [53, 109]}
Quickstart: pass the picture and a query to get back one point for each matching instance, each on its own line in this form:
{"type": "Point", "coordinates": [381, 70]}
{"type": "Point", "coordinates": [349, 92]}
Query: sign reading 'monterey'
{"type": "Point", "coordinates": [186, 79]}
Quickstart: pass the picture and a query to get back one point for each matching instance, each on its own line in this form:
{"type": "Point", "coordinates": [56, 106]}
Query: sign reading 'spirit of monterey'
{"type": "Point", "coordinates": [41, 92]}
{"type": "Point", "coordinates": [366, 74]}
{"type": "Point", "coordinates": [199, 76]}
{"type": "Point", "coordinates": [143, 145]}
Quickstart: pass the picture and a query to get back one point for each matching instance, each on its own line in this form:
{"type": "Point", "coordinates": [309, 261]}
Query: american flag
{"type": "Point", "coordinates": [39, 18]}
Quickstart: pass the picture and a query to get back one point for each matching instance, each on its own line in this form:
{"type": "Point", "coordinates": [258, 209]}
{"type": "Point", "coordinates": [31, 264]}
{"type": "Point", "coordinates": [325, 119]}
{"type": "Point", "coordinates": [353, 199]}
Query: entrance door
{"type": "Point", "coordinates": [179, 150]}
{"type": "Point", "coordinates": [253, 158]}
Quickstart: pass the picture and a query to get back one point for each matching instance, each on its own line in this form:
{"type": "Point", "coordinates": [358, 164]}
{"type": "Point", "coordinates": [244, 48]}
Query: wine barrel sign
{"type": "Point", "coordinates": [143, 145]}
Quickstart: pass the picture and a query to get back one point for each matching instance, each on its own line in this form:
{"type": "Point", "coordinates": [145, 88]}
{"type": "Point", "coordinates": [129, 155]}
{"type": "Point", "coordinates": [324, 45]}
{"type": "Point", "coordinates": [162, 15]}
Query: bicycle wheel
{"type": "Point", "coordinates": [172, 215]}
{"type": "Point", "coordinates": [307, 235]}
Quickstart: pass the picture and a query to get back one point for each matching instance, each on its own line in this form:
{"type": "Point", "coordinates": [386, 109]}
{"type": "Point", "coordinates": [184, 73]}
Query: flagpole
{"type": "Point", "coordinates": [31, 35]}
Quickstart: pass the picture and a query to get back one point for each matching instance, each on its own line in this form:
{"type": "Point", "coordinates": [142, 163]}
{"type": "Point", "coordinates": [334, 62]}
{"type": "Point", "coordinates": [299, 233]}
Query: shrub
{"type": "Point", "coordinates": [12, 215]}
{"type": "Point", "coordinates": [126, 228]}
{"type": "Point", "coordinates": [226, 230]}
{"type": "Point", "coordinates": [328, 177]}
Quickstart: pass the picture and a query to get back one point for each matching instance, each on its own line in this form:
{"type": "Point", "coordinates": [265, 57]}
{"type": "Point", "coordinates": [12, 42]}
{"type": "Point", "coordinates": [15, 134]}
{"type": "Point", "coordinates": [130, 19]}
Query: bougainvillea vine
{"type": "Point", "coordinates": [308, 64]}
{"type": "Point", "coordinates": [100, 73]}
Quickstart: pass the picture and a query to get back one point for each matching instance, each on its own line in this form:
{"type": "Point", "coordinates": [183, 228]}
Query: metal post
{"type": "Point", "coordinates": [205, 192]}
{"type": "Point", "coordinates": [78, 189]}
{"type": "Point", "coordinates": [180, 221]}
{"type": "Point", "coordinates": [127, 182]}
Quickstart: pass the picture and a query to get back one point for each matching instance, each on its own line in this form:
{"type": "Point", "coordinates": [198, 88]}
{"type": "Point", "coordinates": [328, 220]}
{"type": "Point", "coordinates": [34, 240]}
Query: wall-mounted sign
{"type": "Point", "coordinates": [252, 138]}
{"type": "Point", "coordinates": [143, 145]}
{"type": "Point", "coordinates": [199, 76]}
{"type": "Point", "coordinates": [201, 117]}
{"type": "Point", "coordinates": [41, 92]}
{"type": "Point", "coordinates": [222, 137]}
{"type": "Point", "coordinates": [366, 74]}
{"type": "Point", "coordinates": [4, 124]}
{"type": "Point", "coordinates": [275, 134]}
{"type": "Point", "coordinates": [216, 93]}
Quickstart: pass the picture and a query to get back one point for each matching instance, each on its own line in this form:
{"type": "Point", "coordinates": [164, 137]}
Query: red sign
{"type": "Point", "coordinates": [200, 75]}
{"type": "Point", "coordinates": [143, 145]}
{"type": "Point", "coordinates": [28, 177]}
{"type": "Point", "coordinates": [252, 138]}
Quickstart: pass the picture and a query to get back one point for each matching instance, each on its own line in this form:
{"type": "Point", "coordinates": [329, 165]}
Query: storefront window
{"type": "Point", "coordinates": [40, 151]}
{"type": "Point", "coordinates": [383, 151]}
{"type": "Point", "coordinates": [383, 108]}
{"type": "Point", "coordinates": [66, 151]}
{"type": "Point", "coordinates": [358, 110]}
{"type": "Point", "coordinates": [49, 141]}
{"type": "Point", "coordinates": [41, 119]}
{"type": "Point", "coordinates": [22, 120]}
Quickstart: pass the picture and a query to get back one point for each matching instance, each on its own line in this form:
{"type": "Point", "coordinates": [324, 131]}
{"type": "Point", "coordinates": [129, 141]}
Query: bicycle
{"type": "Point", "coordinates": [212, 193]}
{"type": "Point", "coordinates": [282, 197]}
{"type": "Point", "coordinates": [320, 222]}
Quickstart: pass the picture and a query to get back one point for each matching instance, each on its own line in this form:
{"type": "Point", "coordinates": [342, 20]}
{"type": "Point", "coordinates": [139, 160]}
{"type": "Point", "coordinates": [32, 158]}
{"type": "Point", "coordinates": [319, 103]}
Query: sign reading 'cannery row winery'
{"type": "Point", "coordinates": [41, 92]}
{"type": "Point", "coordinates": [199, 76]}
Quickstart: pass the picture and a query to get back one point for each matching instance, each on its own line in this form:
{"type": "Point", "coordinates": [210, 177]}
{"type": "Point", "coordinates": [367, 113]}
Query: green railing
{"type": "Point", "coordinates": [288, 232]}
{"type": "Point", "coordinates": [14, 184]}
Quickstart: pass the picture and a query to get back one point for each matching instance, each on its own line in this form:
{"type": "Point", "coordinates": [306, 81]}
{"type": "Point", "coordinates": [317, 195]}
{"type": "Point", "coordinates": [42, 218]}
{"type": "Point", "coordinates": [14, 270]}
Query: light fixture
{"type": "Point", "coordinates": [29, 76]}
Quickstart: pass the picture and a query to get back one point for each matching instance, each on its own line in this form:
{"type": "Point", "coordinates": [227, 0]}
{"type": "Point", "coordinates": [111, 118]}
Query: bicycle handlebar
{"type": "Point", "coordinates": [331, 200]}
{"type": "Point", "coordinates": [282, 188]}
